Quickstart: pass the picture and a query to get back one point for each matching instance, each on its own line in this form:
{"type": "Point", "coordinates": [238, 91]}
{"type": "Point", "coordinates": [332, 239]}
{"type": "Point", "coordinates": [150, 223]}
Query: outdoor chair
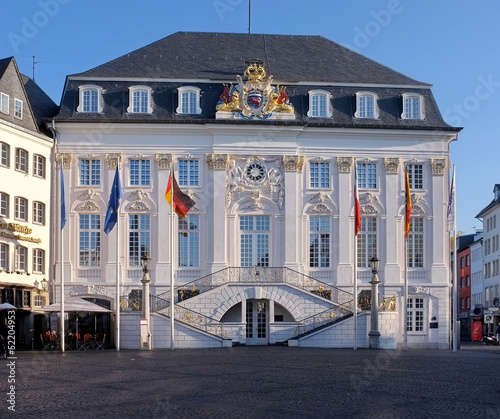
{"type": "Point", "coordinates": [87, 341]}
{"type": "Point", "coordinates": [69, 342]}
{"type": "Point", "coordinates": [100, 342]}
{"type": "Point", "coordinates": [79, 342]}
{"type": "Point", "coordinates": [47, 345]}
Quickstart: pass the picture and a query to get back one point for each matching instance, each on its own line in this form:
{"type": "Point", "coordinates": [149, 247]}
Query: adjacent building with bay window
{"type": "Point", "coordinates": [25, 187]}
{"type": "Point", "coordinates": [263, 132]}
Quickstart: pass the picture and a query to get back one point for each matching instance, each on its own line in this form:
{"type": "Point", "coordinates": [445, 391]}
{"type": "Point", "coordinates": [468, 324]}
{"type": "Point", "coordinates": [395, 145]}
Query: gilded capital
{"type": "Point", "coordinates": [391, 165]}
{"type": "Point", "coordinates": [344, 164]}
{"type": "Point", "coordinates": [216, 161]}
{"type": "Point", "coordinates": [293, 163]}
{"type": "Point", "coordinates": [64, 159]}
{"type": "Point", "coordinates": [163, 161]}
{"type": "Point", "coordinates": [114, 159]}
{"type": "Point", "coordinates": [438, 166]}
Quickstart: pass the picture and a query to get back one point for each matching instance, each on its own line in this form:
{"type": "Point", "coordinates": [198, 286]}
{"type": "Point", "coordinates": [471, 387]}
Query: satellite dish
{"type": "Point", "coordinates": [477, 311]}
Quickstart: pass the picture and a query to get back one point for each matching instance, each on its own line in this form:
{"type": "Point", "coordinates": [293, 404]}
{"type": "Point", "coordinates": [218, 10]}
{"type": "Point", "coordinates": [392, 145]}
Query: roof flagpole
{"type": "Point", "coordinates": [249, 16]}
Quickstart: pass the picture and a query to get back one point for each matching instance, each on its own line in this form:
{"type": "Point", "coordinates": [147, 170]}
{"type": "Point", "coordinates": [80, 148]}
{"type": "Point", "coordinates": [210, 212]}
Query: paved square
{"type": "Point", "coordinates": [255, 382]}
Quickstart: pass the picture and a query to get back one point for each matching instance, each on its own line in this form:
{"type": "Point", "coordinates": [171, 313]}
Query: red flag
{"type": "Point", "coordinates": [408, 202]}
{"type": "Point", "coordinates": [357, 210]}
{"type": "Point", "coordinates": [180, 202]}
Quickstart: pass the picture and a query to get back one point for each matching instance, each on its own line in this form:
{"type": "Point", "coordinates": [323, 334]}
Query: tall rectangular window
{"type": "Point", "coordinates": [366, 107]}
{"type": "Point", "coordinates": [4, 205]}
{"type": "Point", "coordinates": [39, 213]}
{"type": "Point", "coordinates": [189, 241]}
{"type": "Point", "coordinates": [319, 242]}
{"type": "Point", "coordinates": [140, 172]}
{"type": "Point", "coordinates": [21, 258]}
{"type": "Point", "coordinates": [4, 103]}
{"type": "Point", "coordinates": [39, 261]}
{"type": "Point", "coordinates": [18, 108]}
{"type": "Point", "coordinates": [21, 160]}
{"type": "Point", "coordinates": [21, 209]}
{"type": "Point", "coordinates": [90, 240]}
{"type": "Point", "coordinates": [415, 243]}
{"type": "Point", "coordinates": [90, 172]}
{"type": "Point", "coordinates": [188, 102]}
{"type": "Point", "coordinates": [415, 314]}
{"type": "Point", "coordinates": [320, 175]}
{"type": "Point", "coordinates": [367, 241]}
{"type": "Point", "coordinates": [254, 240]}
{"type": "Point", "coordinates": [5, 155]}
{"type": "Point", "coordinates": [412, 108]}
{"type": "Point", "coordinates": [319, 103]}
{"type": "Point", "coordinates": [4, 256]}
{"type": "Point", "coordinates": [38, 166]}
{"type": "Point", "coordinates": [367, 175]}
{"type": "Point", "coordinates": [90, 100]}
{"type": "Point", "coordinates": [188, 173]}
{"type": "Point", "coordinates": [416, 176]}
{"type": "Point", "coordinates": [140, 101]}
{"type": "Point", "coordinates": [139, 238]}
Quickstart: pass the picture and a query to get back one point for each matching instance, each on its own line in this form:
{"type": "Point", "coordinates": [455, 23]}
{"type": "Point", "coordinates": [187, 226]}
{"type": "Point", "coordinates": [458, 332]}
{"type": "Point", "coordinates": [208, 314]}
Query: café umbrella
{"type": "Point", "coordinates": [75, 305]}
{"type": "Point", "coordinates": [7, 306]}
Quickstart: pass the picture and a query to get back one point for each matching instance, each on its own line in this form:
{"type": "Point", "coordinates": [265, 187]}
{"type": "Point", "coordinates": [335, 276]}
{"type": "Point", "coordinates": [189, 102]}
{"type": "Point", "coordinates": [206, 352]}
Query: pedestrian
{"type": "Point", "coordinates": [497, 331]}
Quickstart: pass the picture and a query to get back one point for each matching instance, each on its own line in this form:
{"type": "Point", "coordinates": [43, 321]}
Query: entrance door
{"type": "Point", "coordinates": [257, 324]}
{"type": "Point", "coordinates": [254, 236]}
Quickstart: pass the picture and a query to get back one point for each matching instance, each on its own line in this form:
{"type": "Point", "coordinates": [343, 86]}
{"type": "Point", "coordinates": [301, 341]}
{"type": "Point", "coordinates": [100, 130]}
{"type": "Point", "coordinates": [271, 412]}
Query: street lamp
{"type": "Point", "coordinates": [374, 335]}
{"type": "Point", "coordinates": [146, 336]}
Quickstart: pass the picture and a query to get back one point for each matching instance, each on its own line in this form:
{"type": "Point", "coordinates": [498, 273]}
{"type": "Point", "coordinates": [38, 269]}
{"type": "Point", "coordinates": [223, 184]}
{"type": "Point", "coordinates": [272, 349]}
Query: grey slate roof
{"type": "Point", "coordinates": [221, 56]}
{"type": "Point", "coordinates": [492, 204]}
{"type": "Point", "coordinates": [209, 59]}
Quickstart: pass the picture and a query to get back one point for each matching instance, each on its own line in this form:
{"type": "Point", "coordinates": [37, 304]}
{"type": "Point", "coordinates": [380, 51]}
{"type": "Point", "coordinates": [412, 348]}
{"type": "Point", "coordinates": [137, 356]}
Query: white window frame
{"type": "Point", "coordinates": [408, 112]}
{"type": "Point", "coordinates": [22, 165]}
{"type": "Point", "coordinates": [18, 108]}
{"type": "Point", "coordinates": [20, 210]}
{"type": "Point", "coordinates": [313, 113]}
{"type": "Point", "coordinates": [322, 259]}
{"type": "Point", "coordinates": [415, 183]}
{"type": "Point", "coordinates": [5, 154]}
{"type": "Point", "coordinates": [4, 257]}
{"type": "Point", "coordinates": [188, 89]}
{"type": "Point", "coordinates": [363, 171]}
{"type": "Point", "coordinates": [320, 176]}
{"type": "Point", "coordinates": [360, 113]}
{"type": "Point", "coordinates": [87, 88]}
{"type": "Point", "coordinates": [143, 178]}
{"type": "Point", "coordinates": [367, 242]}
{"type": "Point", "coordinates": [39, 261]}
{"type": "Point", "coordinates": [93, 177]}
{"type": "Point", "coordinates": [39, 166]}
{"type": "Point", "coordinates": [89, 235]}
{"type": "Point", "coordinates": [4, 205]}
{"type": "Point", "coordinates": [413, 311]}
{"type": "Point", "coordinates": [4, 103]}
{"type": "Point", "coordinates": [38, 213]}
{"type": "Point", "coordinates": [138, 235]}
{"type": "Point", "coordinates": [192, 177]}
{"type": "Point", "coordinates": [188, 247]}
{"type": "Point", "coordinates": [139, 89]}
{"type": "Point", "coordinates": [21, 259]}
{"type": "Point", "coordinates": [413, 242]}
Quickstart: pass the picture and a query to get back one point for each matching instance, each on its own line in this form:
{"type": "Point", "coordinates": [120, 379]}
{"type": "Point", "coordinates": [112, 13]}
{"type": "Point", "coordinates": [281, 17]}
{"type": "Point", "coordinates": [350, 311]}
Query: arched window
{"type": "Point", "coordinates": [319, 104]}
{"type": "Point", "coordinates": [90, 99]}
{"type": "Point", "coordinates": [189, 100]}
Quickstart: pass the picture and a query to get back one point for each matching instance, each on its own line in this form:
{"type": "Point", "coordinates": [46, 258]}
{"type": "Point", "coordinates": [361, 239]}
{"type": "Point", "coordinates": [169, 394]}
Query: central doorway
{"type": "Point", "coordinates": [257, 322]}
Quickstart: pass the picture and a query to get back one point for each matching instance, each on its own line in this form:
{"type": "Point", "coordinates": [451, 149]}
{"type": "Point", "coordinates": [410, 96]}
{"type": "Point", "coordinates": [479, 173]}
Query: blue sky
{"type": "Point", "coordinates": [452, 44]}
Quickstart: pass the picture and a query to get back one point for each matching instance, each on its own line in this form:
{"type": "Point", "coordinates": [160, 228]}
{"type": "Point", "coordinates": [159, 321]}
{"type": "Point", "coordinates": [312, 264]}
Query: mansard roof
{"type": "Point", "coordinates": [222, 56]}
{"type": "Point", "coordinates": [207, 60]}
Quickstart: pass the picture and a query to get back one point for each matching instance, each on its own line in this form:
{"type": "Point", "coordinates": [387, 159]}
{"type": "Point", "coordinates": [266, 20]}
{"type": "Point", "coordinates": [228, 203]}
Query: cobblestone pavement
{"type": "Point", "coordinates": [255, 382]}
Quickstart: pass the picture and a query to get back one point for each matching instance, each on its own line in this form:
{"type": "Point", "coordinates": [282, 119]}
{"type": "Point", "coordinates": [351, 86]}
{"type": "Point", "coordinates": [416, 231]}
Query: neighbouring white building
{"type": "Point", "coordinates": [25, 188]}
{"type": "Point", "coordinates": [263, 132]}
{"type": "Point", "coordinates": [491, 261]}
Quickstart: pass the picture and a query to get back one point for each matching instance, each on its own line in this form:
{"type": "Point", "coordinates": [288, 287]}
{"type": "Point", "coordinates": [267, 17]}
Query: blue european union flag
{"type": "Point", "coordinates": [113, 204]}
{"type": "Point", "coordinates": [63, 201]}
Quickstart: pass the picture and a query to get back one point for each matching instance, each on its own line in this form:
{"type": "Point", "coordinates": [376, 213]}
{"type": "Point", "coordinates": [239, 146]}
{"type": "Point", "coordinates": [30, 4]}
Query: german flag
{"type": "Point", "coordinates": [408, 203]}
{"type": "Point", "coordinates": [180, 202]}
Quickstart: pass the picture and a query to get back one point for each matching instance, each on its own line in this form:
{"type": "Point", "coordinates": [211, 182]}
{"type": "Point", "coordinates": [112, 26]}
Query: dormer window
{"type": "Point", "coordinates": [189, 100]}
{"type": "Point", "coordinates": [90, 99]}
{"type": "Point", "coordinates": [319, 104]}
{"type": "Point", "coordinates": [4, 103]}
{"type": "Point", "coordinates": [18, 109]}
{"type": "Point", "coordinates": [140, 100]}
{"type": "Point", "coordinates": [366, 105]}
{"type": "Point", "coordinates": [413, 106]}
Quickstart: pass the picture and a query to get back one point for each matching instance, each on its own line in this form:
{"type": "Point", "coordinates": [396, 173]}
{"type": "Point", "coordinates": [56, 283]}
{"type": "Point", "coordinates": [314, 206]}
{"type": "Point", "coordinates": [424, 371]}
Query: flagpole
{"type": "Point", "coordinates": [405, 303]}
{"type": "Point", "coordinates": [117, 308]}
{"type": "Point", "coordinates": [172, 334]}
{"type": "Point", "coordinates": [454, 268]}
{"type": "Point", "coordinates": [61, 225]}
{"type": "Point", "coordinates": [355, 267]}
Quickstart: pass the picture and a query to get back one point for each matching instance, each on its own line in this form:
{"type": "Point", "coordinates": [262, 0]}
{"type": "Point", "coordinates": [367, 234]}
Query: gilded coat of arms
{"type": "Point", "coordinates": [254, 98]}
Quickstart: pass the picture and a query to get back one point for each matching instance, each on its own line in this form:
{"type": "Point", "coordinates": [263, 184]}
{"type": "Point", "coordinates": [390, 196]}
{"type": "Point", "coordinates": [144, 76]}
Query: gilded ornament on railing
{"type": "Point", "coordinates": [344, 164]}
{"type": "Point", "coordinates": [391, 165]}
{"type": "Point", "coordinates": [216, 161]}
{"type": "Point", "coordinates": [438, 166]}
{"type": "Point", "coordinates": [114, 159]}
{"type": "Point", "coordinates": [64, 159]}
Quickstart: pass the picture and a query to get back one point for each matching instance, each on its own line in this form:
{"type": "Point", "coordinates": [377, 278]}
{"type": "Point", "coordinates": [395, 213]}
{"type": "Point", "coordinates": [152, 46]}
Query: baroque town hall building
{"type": "Point", "coordinates": [263, 132]}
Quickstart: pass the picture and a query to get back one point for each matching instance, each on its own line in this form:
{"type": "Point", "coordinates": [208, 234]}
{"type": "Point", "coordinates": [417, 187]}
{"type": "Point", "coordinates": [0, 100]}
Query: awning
{"type": "Point", "coordinates": [75, 304]}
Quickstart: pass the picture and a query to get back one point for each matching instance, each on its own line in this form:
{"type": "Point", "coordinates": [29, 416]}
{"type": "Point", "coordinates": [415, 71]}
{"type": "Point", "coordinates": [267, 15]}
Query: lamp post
{"type": "Point", "coordinates": [145, 336]}
{"type": "Point", "coordinates": [374, 335]}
